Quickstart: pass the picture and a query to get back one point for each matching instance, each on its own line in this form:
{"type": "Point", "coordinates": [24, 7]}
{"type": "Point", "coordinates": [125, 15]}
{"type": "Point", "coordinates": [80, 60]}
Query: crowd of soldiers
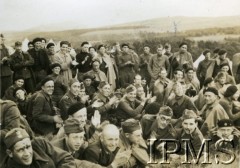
{"type": "Point", "coordinates": [99, 107]}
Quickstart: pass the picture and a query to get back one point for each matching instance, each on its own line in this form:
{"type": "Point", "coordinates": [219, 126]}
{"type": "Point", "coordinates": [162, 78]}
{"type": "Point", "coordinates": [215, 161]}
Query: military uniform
{"type": "Point", "coordinates": [45, 155]}
{"type": "Point", "coordinates": [66, 101]}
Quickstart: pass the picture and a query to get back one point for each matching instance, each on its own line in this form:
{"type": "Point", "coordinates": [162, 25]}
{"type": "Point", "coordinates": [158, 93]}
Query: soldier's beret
{"type": "Point", "coordinates": [72, 125]}
{"type": "Point", "coordinates": [17, 77]}
{"type": "Point", "coordinates": [15, 135]}
{"type": "Point", "coordinates": [75, 107]}
{"type": "Point", "coordinates": [189, 114]}
{"type": "Point", "coordinates": [211, 89]}
{"type": "Point", "coordinates": [166, 110]}
{"type": "Point", "coordinates": [50, 45]}
{"type": "Point", "coordinates": [225, 123]}
{"type": "Point", "coordinates": [224, 64]}
{"type": "Point", "coordinates": [37, 40]}
{"type": "Point", "coordinates": [152, 108]}
{"type": "Point", "coordinates": [45, 80]}
{"type": "Point", "coordinates": [183, 43]}
{"type": "Point", "coordinates": [130, 125]}
{"type": "Point", "coordinates": [55, 65]}
{"type": "Point", "coordinates": [207, 81]}
{"type": "Point", "coordinates": [123, 45]}
{"type": "Point", "coordinates": [87, 76]}
{"type": "Point", "coordinates": [72, 81]}
{"type": "Point", "coordinates": [231, 90]}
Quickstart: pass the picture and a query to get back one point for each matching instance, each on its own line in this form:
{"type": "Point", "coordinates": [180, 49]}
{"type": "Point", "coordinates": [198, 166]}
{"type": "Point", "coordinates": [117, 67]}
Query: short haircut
{"type": "Point", "coordinates": [206, 51]}
{"type": "Point", "coordinates": [64, 42]}
{"type": "Point", "coordinates": [167, 46]}
{"type": "Point", "coordinates": [183, 43]}
{"type": "Point", "coordinates": [83, 43]}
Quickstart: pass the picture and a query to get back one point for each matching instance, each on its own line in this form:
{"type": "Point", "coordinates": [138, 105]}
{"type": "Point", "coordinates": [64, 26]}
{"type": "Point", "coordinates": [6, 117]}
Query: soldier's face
{"type": "Point", "coordinates": [135, 137]}
{"type": "Point", "coordinates": [131, 96]}
{"type": "Point", "coordinates": [125, 49]}
{"type": "Point", "coordinates": [19, 82]}
{"type": "Point", "coordinates": [189, 125]}
{"type": "Point", "coordinates": [190, 74]}
{"type": "Point", "coordinates": [30, 46]}
{"type": "Point", "coordinates": [102, 50]}
{"type": "Point", "coordinates": [163, 121]}
{"type": "Point", "coordinates": [38, 44]}
{"type": "Point", "coordinates": [110, 140]}
{"type": "Point", "coordinates": [140, 91]}
{"type": "Point", "coordinates": [81, 116]}
{"type": "Point", "coordinates": [48, 87]}
{"type": "Point", "coordinates": [22, 152]}
{"type": "Point", "coordinates": [210, 97]}
{"type": "Point", "coordinates": [43, 44]}
{"type": "Point", "coordinates": [56, 70]}
{"type": "Point", "coordinates": [85, 48]}
{"type": "Point", "coordinates": [183, 48]}
{"type": "Point", "coordinates": [106, 90]}
{"type": "Point", "coordinates": [225, 132]}
{"type": "Point", "coordinates": [225, 68]}
{"type": "Point", "coordinates": [20, 94]}
{"type": "Point", "coordinates": [178, 75]}
{"type": "Point", "coordinates": [64, 48]}
{"type": "Point", "coordinates": [178, 90]}
{"type": "Point", "coordinates": [75, 88]}
{"type": "Point", "coordinates": [222, 80]}
{"type": "Point", "coordinates": [75, 140]}
{"type": "Point", "coordinates": [51, 49]}
{"type": "Point", "coordinates": [138, 80]}
{"type": "Point", "coordinates": [87, 82]}
{"type": "Point", "coordinates": [159, 51]}
{"type": "Point", "coordinates": [96, 66]}
{"type": "Point", "coordinates": [18, 48]}
{"type": "Point", "coordinates": [146, 50]}
{"type": "Point", "coordinates": [163, 74]}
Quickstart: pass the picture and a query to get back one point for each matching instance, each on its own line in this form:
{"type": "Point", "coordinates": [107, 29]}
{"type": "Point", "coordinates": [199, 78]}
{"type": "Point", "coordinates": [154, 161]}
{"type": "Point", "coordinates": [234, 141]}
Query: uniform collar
{"type": "Point", "coordinates": [179, 101]}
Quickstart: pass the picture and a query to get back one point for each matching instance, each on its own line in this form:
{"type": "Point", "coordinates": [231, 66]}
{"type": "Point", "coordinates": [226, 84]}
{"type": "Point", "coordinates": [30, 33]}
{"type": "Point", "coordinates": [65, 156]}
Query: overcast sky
{"type": "Point", "coordinates": [26, 14]}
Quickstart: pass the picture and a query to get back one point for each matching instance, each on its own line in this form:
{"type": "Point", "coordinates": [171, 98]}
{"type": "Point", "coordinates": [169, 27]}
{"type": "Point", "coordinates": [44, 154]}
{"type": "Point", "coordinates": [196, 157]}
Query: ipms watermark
{"type": "Point", "coordinates": [189, 150]}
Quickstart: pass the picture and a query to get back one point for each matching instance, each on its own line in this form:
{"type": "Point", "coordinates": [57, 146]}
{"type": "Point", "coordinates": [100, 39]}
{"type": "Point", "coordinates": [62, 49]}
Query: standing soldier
{"type": "Point", "coordinates": [21, 63]}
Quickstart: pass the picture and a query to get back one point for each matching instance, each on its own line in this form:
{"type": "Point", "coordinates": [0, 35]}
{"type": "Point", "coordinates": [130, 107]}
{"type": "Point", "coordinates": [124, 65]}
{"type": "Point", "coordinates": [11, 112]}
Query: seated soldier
{"type": "Point", "coordinates": [180, 102]}
{"type": "Point", "coordinates": [225, 131]}
{"type": "Point", "coordinates": [18, 82]}
{"type": "Point", "coordinates": [148, 118]}
{"type": "Point", "coordinates": [21, 100]}
{"type": "Point", "coordinates": [106, 151]}
{"type": "Point", "coordinates": [88, 85]}
{"type": "Point", "coordinates": [23, 152]}
{"type": "Point", "coordinates": [162, 128]}
{"type": "Point", "coordinates": [131, 139]}
{"type": "Point", "coordinates": [129, 106]}
{"type": "Point", "coordinates": [71, 97]}
{"type": "Point", "coordinates": [73, 139]}
{"type": "Point", "coordinates": [212, 111]}
{"type": "Point", "coordinates": [192, 82]}
{"type": "Point", "coordinates": [103, 95]}
{"type": "Point", "coordinates": [92, 128]}
{"type": "Point", "coordinates": [190, 131]}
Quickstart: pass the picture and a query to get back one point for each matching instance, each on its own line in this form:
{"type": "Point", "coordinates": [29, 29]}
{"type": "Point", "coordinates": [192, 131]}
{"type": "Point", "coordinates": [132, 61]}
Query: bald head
{"type": "Point", "coordinates": [110, 137]}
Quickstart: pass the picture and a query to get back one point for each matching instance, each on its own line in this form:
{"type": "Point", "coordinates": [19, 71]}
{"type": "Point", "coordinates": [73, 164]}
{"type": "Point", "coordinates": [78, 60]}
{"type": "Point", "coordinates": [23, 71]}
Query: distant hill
{"type": "Point", "coordinates": [124, 31]}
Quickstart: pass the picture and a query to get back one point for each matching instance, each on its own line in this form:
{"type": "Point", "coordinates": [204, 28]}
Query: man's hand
{"type": "Point", "coordinates": [97, 103]}
{"type": "Point", "coordinates": [113, 100]}
{"type": "Point", "coordinates": [57, 119]}
{"type": "Point", "coordinates": [121, 158]}
{"type": "Point", "coordinates": [96, 119]}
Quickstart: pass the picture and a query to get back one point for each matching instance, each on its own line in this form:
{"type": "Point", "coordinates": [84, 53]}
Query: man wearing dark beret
{"type": "Point", "coordinates": [24, 152]}
{"type": "Point", "coordinates": [192, 82]}
{"type": "Point", "coordinates": [212, 111]}
{"type": "Point", "coordinates": [225, 130]}
{"type": "Point", "coordinates": [126, 66]}
{"type": "Point", "coordinates": [181, 59]}
{"type": "Point", "coordinates": [44, 115]}
{"type": "Point", "coordinates": [231, 96]}
{"type": "Point", "coordinates": [22, 63]}
{"type": "Point", "coordinates": [222, 59]}
{"type": "Point", "coordinates": [41, 60]}
{"type": "Point", "coordinates": [30, 45]}
{"type": "Point", "coordinates": [51, 51]}
{"type": "Point", "coordinates": [203, 66]}
{"type": "Point", "coordinates": [226, 69]}
{"type": "Point", "coordinates": [88, 80]}
{"type": "Point", "coordinates": [131, 139]}
{"type": "Point", "coordinates": [59, 88]}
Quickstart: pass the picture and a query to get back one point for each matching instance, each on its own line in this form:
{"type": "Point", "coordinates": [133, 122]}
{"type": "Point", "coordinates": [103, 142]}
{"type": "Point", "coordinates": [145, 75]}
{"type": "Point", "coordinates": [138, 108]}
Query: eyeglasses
{"type": "Point", "coordinates": [168, 120]}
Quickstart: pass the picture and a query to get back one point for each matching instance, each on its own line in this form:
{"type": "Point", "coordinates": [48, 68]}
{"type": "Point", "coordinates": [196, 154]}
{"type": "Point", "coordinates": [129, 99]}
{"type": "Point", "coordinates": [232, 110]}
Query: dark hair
{"type": "Point", "coordinates": [83, 43]}
{"type": "Point", "coordinates": [30, 42]}
{"type": "Point", "coordinates": [183, 43]}
{"type": "Point", "coordinates": [91, 48]}
{"type": "Point", "coordinates": [100, 46]}
{"type": "Point", "coordinates": [222, 52]}
{"type": "Point", "coordinates": [167, 46]}
{"type": "Point", "coordinates": [206, 51]}
{"type": "Point", "coordinates": [64, 42]}
{"type": "Point", "coordinates": [216, 50]}
{"type": "Point", "coordinates": [123, 45]}
{"type": "Point", "coordinates": [44, 39]}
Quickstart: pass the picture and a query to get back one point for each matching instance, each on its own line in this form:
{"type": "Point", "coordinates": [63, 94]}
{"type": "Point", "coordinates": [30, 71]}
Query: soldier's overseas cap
{"type": "Point", "coordinates": [72, 126]}
{"type": "Point", "coordinates": [72, 81]}
{"type": "Point", "coordinates": [166, 110]}
{"type": "Point", "coordinates": [225, 123]}
{"type": "Point", "coordinates": [14, 136]}
{"type": "Point", "coordinates": [130, 125]}
{"type": "Point", "coordinates": [189, 114]}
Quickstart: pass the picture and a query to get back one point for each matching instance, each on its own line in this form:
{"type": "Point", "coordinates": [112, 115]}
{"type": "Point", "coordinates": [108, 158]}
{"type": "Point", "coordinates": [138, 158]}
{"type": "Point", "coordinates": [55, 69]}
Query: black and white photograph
{"type": "Point", "coordinates": [120, 84]}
